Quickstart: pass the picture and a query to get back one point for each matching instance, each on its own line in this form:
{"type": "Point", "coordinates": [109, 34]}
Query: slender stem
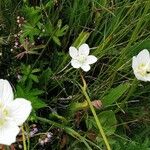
{"type": "Point", "coordinates": [97, 120]}
{"type": "Point", "coordinates": [7, 148]}
{"type": "Point", "coordinates": [67, 129]}
{"type": "Point", "coordinates": [24, 140]}
{"type": "Point", "coordinates": [28, 139]}
{"type": "Point", "coordinates": [94, 114]}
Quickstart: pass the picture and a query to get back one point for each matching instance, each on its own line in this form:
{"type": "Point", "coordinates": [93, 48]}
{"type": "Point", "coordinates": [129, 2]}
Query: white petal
{"type": "Point", "coordinates": [85, 67]}
{"type": "Point", "coordinates": [20, 110]}
{"type": "Point", "coordinates": [143, 56]}
{"type": "Point", "coordinates": [140, 65]}
{"type": "Point", "coordinates": [142, 78]}
{"type": "Point", "coordinates": [6, 92]}
{"type": "Point", "coordinates": [91, 59]}
{"type": "Point", "coordinates": [73, 52]}
{"type": "Point", "coordinates": [8, 133]}
{"type": "Point", "coordinates": [84, 50]}
{"type": "Point", "coordinates": [139, 77]}
{"type": "Point", "coordinates": [135, 62]}
{"type": "Point", "coordinates": [75, 63]}
{"type": "Point", "coordinates": [147, 78]}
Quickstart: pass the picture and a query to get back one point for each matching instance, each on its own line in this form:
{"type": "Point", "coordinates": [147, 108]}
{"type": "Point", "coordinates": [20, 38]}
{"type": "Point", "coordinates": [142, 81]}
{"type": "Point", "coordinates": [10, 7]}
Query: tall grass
{"type": "Point", "coordinates": [116, 30]}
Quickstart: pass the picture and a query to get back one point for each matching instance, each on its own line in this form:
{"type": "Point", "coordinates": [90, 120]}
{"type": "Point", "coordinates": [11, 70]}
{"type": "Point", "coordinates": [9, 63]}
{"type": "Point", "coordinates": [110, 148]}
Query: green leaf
{"type": "Point", "coordinates": [34, 78]}
{"type": "Point", "coordinates": [114, 94]}
{"type": "Point", "coordinates": [32, 14]}
{"type": "Point", "coordinates": [31, 95]}
{"type": "Point", "coordinates": [29, 31]}
{"type": "Point", "coordinates": [36, 70]}
{"type": "Point", "coordinates": [36, 92]}
{"type": "Point", "coordinates": [83, 36]}
{"type": "Point", "coordinates": [45, 76]}
{"type": "Point", "coordinates": [64, 29]}
{"type": "Point", "coordinates": [37, 103]}
{"type": "Point", "coordinates": [135, 49]}
{"type": "Point", "coordinates": [49, 4]}
{"type": "Point", "coordinates": [28, 73]}
{"type": "Point", "coordinates": [59, 23]}
{"type": "Point", "coordinates": [108, 121]}
{"type": "Point", "coordinates": [56, 40]}
{"type": "Point", "coordinates": [20, 91]}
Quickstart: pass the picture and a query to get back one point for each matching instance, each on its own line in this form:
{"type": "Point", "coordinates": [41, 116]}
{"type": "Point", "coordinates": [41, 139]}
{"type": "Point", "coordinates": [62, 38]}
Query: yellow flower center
{"type": "Point", "coordinates": [143, 69]}
{"type": "Point", "coordinates": [82, 59]}
{"type": "Point", "coordinates": [4, 113]}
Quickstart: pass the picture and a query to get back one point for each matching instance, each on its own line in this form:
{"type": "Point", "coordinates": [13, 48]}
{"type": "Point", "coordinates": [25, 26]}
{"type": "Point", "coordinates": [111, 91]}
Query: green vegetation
{"type": "Point", "coordinates": [35, 37]}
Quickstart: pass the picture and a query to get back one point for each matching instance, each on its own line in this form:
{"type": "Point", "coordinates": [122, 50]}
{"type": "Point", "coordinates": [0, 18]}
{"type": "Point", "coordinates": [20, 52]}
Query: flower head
{"type": "Point", "coordinates": [81, 57]}
{"type": "Point", "coordinates": [13, 113]}
{"type": "Point", "coordinates": [141, 65]}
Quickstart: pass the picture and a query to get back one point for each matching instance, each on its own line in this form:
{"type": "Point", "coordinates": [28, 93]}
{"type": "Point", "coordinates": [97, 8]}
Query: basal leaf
{"type": "Point", "coordinates": [114, 94]}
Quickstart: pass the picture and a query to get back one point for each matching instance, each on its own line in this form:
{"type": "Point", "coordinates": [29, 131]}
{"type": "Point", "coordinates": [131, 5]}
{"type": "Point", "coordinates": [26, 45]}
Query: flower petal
{"type": "Point", "coordinates": [85, 67]}
{"type": "Point", "coordinates": [75, 63]}
{"type": "Point", "coordinates": [91, 59]}
{"type": "Point", "coordinates": [139, 77]}
{"type": "Point", "coordinates": [147, 78]}
{"type": "Point", "coordinates": [141, 64]}
{"type": "Point", "coordinates": [6, 92]}
{"type": "Point", "coordinates": [73, 52]}
{"type": "Point", "coordinates": [142, 78]}
{"type": "Point", "coordinates": [8, 133]}
{"type": "Point", "coordinates": [84, 50]}
{"type": "Point", "coordinates": [134, 62]}
{"type": "Point", "coordinates": [20, 110]}
{"type": "Point", "coordinates": [143, 56]}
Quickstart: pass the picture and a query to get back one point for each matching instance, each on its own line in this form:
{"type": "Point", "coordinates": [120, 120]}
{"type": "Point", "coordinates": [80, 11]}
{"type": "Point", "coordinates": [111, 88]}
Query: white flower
{"type": "Point", "coordinates": [81, 57]}
{"type": "Point", "coordinates": [13, 113]}
{"type": "Point", "coordinates": [141, 65]}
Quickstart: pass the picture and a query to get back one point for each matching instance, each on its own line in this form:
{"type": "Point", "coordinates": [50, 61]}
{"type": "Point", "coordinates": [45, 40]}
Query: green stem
{"type": "Point", "coordinates": [7, 148]}
{"type": "Point", "coordinates": [97, 120]}
{"type": "Point", "coordinates": [28, 139]}
{"type": "Point", "coordinates": [68, 130]}
{"type": "Point", "coordinates": [24, 140]}
{"type": "Point", "coordinates": [94, 113]}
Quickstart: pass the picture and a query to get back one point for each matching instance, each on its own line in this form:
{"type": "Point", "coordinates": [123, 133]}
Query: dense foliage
{"type": "Point", "coordinates": [35, 36]}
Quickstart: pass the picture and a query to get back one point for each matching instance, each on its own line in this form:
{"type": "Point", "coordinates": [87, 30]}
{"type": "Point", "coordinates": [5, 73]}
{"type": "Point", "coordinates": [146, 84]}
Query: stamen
{"type": "Point", "coordinates": [4, 113]}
